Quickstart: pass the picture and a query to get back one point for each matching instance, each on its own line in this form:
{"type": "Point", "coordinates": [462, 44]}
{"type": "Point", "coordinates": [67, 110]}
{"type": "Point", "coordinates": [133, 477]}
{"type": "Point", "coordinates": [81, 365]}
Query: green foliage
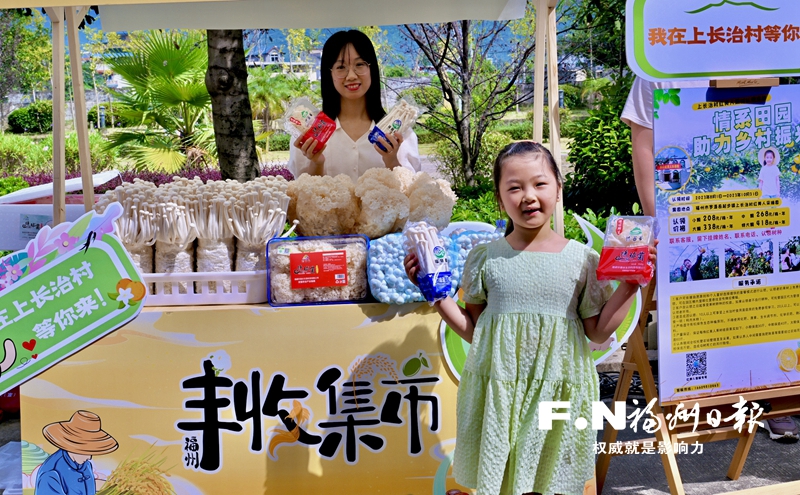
{"type": "Point", "coordinates": [572, 96]}
{"type": "Point", "coordinates": [280, 142]}
{"type": "Point", "coordinates": [168, 95]}
{"type": "Point", "coordinates": [36, 118]}
{"type": "Point", "coordinates": [121, 116]}
{"type": "Point", "coordinates": [515, 132]}
{"type": "Point", "coordinates": [570, 124]}
{"type": "Point", "coordinates": [424, 136]}
{"type": "Point", "coordinates": [396, 71]}
{"type": "Point", "coordinates": [601, 156]}
{"type": "Point", "coordinates": [428, 96]}
{"type": "Point", "coordinates": [481, 209]}
{"type": "Point", "coordinates": [11, 184]}
{"type": "Point", "coordinates": [448, 158]}
{"type": "Point", "coordinates": [21, 154]}
{"type": "Point", "coordinates": [665, 97]}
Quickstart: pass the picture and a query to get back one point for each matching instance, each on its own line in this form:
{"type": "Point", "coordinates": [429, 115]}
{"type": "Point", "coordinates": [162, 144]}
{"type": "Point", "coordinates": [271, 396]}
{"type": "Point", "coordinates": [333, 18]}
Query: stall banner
{"type": "Point", "coordinates": [727, 191]}
{"type": "Point", "coordinates": [343, 399]}
{"type": "Point", "coordinates": [455, 348]}
{"type": "Point", "coordinates": [72, 284]}
{"type": "Point", "coordinates": [703, 39]}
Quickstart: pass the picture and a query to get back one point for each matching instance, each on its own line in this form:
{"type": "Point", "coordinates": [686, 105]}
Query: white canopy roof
{"type": "Point", "coordinates": [261, 14]}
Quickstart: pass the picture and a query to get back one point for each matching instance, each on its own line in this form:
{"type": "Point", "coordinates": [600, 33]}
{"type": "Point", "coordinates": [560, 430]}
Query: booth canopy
{"type": "Point", "coordinates": [282, 14]}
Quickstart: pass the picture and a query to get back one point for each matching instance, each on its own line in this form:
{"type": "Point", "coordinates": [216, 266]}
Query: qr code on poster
{"type": "Point", "coordinates": [696, 366]}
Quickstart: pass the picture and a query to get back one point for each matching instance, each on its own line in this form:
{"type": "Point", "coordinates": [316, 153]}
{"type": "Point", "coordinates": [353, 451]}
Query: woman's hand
{"type": "Point", "coordinates": [411, 264]}
{"type": "Point", "coordinates": [308, 148]}
{"type": "Point", "coordinates": [392, 144]}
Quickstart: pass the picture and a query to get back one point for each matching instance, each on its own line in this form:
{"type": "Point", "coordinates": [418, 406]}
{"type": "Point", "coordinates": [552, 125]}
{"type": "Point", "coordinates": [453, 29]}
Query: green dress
{"type": "Point", "coordinates": [529, 346]}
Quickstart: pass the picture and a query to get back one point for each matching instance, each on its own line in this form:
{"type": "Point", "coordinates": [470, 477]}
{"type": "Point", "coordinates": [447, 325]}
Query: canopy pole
{"type": "Point", "coordinates": [538, 69]}
{"type": "Point", "coordinates": [79, 97]}
{"type": "Point", "coordinates": [56, 15]}
{"type": "Point", "coordinates": [553, 101]}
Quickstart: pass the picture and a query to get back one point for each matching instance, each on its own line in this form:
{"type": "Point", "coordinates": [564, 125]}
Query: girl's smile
{"type": "Point", "coordinates": [528, 191]}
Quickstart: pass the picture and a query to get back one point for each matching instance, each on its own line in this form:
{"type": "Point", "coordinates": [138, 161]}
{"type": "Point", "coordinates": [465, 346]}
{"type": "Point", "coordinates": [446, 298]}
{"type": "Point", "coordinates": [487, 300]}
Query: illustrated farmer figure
{"type": "Point", "coordinates": [69, 470]}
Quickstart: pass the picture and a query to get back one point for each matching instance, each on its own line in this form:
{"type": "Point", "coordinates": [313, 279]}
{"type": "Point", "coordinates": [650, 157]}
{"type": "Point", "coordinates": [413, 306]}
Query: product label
{"type": "Point", "coordinates": [321, 269]}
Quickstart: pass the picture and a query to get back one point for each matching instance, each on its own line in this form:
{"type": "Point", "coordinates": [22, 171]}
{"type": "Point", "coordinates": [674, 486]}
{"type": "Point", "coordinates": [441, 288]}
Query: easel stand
{"type": "Point", "coordinates": [784, 401]}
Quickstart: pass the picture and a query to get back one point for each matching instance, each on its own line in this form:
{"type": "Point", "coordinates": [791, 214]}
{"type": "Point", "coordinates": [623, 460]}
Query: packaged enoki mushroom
{"type": "Point", "coordinates": [626, 250]}
{"type": "Point", "coordinates": [175, 237]}
{"type": "Point", "coordinates": [399, 119]}
{"type": "Point", "coordinates": [433, 278]}
{"type": "Point", "coordinates": [303, 120]}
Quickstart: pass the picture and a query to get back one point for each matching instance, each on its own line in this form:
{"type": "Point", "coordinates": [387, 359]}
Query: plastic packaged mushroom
{"type": "Point", "coordinates": [399, 119]}
{"type": "Point", "coordinates": [317, 270]}
{"type": "Point", "coordinates": [423, 240]}
{"type": "Point", "coordinates": [626, 250]}
{"type": "Point", "coordinates": [303, 120]}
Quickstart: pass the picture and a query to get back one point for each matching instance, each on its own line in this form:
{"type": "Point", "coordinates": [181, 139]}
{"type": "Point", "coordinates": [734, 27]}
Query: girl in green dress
{"type": "Point", "coordinates": [531, 299]}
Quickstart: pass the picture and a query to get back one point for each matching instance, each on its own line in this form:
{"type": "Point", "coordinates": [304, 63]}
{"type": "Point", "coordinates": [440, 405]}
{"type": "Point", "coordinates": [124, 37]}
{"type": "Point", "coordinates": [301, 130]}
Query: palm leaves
{"type": "Point", "coordinates": [168, 97]}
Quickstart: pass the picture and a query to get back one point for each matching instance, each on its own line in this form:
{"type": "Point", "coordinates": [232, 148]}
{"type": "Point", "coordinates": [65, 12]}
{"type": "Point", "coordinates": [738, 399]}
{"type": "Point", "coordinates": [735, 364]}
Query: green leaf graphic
{"type": "Point", "coordinates": [735, 4]}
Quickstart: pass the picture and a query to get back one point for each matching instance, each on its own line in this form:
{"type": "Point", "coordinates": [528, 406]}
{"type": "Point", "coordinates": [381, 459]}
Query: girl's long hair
{"type": "Point", "coordinates": [334, 47]}
{"type": "Point", "coordinates": [518, 149]}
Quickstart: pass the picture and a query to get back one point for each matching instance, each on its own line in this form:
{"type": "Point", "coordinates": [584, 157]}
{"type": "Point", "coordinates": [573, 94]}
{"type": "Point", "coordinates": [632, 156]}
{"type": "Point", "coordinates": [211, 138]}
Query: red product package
{"type": "Point", "coordinates": [626, 250]}
{"type": "Point", "coordinates": [321, 129]}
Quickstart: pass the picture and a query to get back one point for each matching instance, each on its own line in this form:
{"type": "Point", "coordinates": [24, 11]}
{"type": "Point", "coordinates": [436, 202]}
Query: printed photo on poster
{"type": "Point", "coordinates": [692, 263]}
{"type": "Point", "coordinates": [745, 259]}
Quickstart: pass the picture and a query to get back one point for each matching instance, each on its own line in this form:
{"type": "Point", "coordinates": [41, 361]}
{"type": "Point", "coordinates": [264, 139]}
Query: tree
{"type": "Point", "coordinates": [99, 44]}
{"type": "Point", "coordinates": [226, 80]}
{"type": "Point", "coordinates": [476, 91]}
{"type": "Point", "coordinates": [596, 35]}
{"type": "Point", "coordinates": [34, 55]}
{"type": "Point", "coordinates": [10, 21]}
{"type": "Point", "coordinates": [166, 71]}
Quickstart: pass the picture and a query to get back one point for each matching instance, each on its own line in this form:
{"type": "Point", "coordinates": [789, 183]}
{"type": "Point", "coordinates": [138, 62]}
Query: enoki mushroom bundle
{"type": "Point", "coordinates": [136, 227]}
{"type": "Point", "coordinates": [423, 240]}
{"type": "Point", "coordinates": [175, 239]}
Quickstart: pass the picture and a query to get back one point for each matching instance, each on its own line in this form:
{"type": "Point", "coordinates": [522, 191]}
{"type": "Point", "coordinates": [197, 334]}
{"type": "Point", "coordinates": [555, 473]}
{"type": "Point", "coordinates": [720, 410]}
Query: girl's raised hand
{"type": "Point", "coordinates": [411, 264]}
{"type": "Point", "coordinates": [392, 144]}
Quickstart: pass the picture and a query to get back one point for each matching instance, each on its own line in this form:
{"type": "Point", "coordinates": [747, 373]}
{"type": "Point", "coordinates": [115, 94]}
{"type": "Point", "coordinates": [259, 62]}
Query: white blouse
{"type": "Point", "coordinates": [353, 158]}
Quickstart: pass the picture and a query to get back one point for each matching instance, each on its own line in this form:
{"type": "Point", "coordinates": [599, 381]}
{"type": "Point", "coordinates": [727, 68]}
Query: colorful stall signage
{"type": "Point", "coordinates": [331, 399]}
{"type": "Point", "coordinates": [729, 252]}
{"type": "Point", "coordinates": [703, 39]}
{"type": "Point", "coordinates": [71, 285]}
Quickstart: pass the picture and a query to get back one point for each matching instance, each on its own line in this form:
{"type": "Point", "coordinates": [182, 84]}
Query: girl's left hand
{"type": "Point", "coordinates": [392, 144]}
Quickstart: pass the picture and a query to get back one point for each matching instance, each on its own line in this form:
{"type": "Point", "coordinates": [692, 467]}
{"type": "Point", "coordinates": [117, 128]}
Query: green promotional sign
{"type": "Point", "coordinates": [71, 285]}
{"type": "Point", "coordinates": [706, 39]}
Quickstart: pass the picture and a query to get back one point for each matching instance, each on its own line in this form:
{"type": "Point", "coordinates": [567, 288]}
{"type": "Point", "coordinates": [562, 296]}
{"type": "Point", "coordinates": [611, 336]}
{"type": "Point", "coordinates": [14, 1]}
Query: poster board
{"type": "Point", "coordinates": [301, 361]}
{"type": "Point", "coordinates": [726, 289]}
{"type": "Point", "coordinates": [704, 39]}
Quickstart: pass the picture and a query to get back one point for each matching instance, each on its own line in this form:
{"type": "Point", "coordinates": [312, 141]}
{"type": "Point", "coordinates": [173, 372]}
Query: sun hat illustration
{"type": "Point", "coordinates": [775, 153]}
{"type": "Point", "coordinates": [82, 434]}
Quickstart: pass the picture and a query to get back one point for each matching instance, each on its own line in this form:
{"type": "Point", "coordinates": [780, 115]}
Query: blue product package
{"type": "Point", "coordinates": [376, 133]}
{"type": "Point", "coordinates": [434, 286]}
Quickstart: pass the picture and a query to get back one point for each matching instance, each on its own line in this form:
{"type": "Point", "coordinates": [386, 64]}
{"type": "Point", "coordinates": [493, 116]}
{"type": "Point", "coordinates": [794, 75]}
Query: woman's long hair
{"type": "Point", "coordinates": [334, 47]}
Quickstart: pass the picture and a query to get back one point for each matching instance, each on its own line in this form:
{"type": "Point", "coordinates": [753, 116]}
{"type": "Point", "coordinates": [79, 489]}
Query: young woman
{"type": "Point", "coordinates": [351, 95]}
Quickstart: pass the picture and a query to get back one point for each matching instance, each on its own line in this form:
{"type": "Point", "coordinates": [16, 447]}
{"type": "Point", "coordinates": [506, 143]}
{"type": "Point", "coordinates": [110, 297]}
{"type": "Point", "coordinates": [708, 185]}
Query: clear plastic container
{"type": "Point", "coordinates": [317, 270]}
